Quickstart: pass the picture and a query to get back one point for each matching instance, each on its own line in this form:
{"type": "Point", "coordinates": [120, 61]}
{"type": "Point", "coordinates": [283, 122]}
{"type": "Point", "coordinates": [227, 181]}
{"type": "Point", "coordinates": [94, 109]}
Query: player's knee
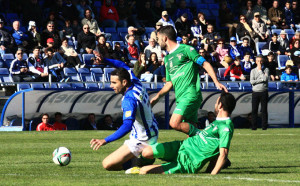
{"type": "Point", "coordinates": [148, 152]}
{"type": "Point", "coordinates": [107, 165]}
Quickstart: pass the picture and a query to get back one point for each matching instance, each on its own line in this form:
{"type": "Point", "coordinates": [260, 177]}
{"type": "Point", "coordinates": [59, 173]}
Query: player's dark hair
{"type": "Point", "coordinates": [122, 73]}
{"type": "Point", "coordinates": [228, 102]}
{"type": "Point", "coordinates": [168, 31]}
{"type": "Point", "coordinates": [45, 114]}
{"type": "Point", "coordinates": [58, 114]}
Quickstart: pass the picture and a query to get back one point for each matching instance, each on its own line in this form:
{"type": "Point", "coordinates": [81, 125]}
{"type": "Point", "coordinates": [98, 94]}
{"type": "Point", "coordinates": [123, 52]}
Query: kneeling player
{"type": "Point", "coordinates": [189, 156]}
{"type": "Point", "coordinates": [137, 118]}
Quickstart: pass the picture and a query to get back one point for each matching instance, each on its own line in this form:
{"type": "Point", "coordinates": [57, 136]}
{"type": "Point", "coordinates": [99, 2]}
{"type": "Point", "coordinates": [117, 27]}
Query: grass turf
{"type": "Point", "coordinates": [258, 158]}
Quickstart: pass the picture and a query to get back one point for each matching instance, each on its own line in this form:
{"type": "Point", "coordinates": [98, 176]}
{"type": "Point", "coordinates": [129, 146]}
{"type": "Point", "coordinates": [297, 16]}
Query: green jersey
{"type": "Point", "coordinates": [204, 145]}
{"type": "Point", "coordinates": [182, 69]}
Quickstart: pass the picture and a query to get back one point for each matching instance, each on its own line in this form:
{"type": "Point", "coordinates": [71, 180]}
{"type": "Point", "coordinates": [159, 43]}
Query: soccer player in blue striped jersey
{"type": "Point", "coordinates": [137, 118]}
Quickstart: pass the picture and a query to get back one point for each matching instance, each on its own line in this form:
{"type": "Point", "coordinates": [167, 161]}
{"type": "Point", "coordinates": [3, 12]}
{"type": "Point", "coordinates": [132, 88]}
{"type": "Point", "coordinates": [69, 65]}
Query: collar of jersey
{"type": "Point", "coordinates": [129, 88]}
{"type": "Point", "coordinates": [222, 119]}
{"type": "Point", "coordinates": [174, 49]}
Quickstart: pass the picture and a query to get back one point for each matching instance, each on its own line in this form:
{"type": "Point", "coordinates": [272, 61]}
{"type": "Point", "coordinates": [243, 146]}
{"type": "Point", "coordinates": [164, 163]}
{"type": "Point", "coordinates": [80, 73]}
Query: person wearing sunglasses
{"type": "Point", "coordinates": [50, 32]}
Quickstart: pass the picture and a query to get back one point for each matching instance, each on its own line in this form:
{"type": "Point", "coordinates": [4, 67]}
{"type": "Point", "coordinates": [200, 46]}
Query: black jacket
{"type": "Point", "coordinates": [86, 40]}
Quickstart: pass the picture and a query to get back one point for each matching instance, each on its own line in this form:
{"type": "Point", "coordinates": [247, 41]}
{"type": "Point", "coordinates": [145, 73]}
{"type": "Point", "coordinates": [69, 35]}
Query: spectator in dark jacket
{"type": "Point", "coordinates": [6, 40]}
{"type": "Point", "coordinates": [50, 32]}
{"type": "Point", "coordinates": [70, 11]}
{"type": "Point", "coordinates": [86, 41]}
{"type": "Point", "coordinates": [183, 26]}
{"type": "Point", "coordinates": [272, 64]}
{"type": "Point", "coordinates": [272, 45]}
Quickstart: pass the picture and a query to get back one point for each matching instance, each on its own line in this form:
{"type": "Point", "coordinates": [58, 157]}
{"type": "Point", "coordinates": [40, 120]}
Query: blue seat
{"type": "Point", "coordinates": [97, 4]}
{"type": "Point", "coordinates": [106, 86]}
{"type": "Point", "coordinates": [110, 30]}
{"type": "Point", "coordinates": [8, 28]}
{"type": "Point", "coordinates": [282, 60]}
{"type": "Point", "coordinates": [8, 58]}
{"type": "Point", "coordinates": [259, 46]}
{"type": "Point", "coordinates": [149, 29]}
{"type": "Point", "coordinates": [87, 59]}
{"type": "Point", "coordinates": [238, 39]}
{"type": "Point", "coordinates": [53, 85]}
{"type": "Point", "coordinates": [221, 72]}
{"type": "Point", "coordinates": [146, 77]}
{"type": "Point", "coordinates": [233, 86]}
{"type": "Point", "coordinates": [97, 73]}
{"type": "Point", "coordinates": [115, 36]}
{"type": "Point", "coordinates": [246, 85]}
{"type": "Point", "coordinates": [37, 85]}
{"type": "Point", "coordinates": [202, 6]}
{"type": "Point", "coordinates": [211, 85]}
{"type": "Point", "coordinates": [72, 74]}
{"type": "Point", "coordinates": [64, 85]}
{"type": "Point", "coordinates": [214, 6]}
{"type": "Point", "coordinates": [23, 86]}
{"type": "Point", "coordinates": [85, 75]}
{"type": "Point", "coordinates": [206, 12]}
{"type": "Point", "coordinates": [121, 44]}
{"type": "Point", "coordinates": [122, 29]}
{"type": "Point", "coordinates": [195, 2]}
{"type": "Point", "coordinates": [214, 12]}
{"type": "Point", "coordinates": [23, 29]}
{"type": "Point", "coordinates": [146, 85]}
{"type": "Point", "coordinates": [5, 76]}
{"type": "Point", "coordinates": [92, 86]}
{"type": "Point", "coordinates": [107, 72]}
{"type": "Point", "coordinates": [277, 31]}
{"type": "Point", "coordinates": [77, 86]}
{"type": "Point", "coordinates": [272, 85]}
{"type": "Point", "coordinates": [279, 85]}
{"type": "Point", "coordinates": [122, 35]}
{"type": "Point", "coordinates": [11, 17]}
{"type": "Point", "coordinates": [209, 1]}
{"type": "Point", "coordinates": [80, 57]}
{"type": "Point", "coordinates": [290, 33]}
{"type": "Point", "coordinates": [159, 85]}
{"type": "Point", "coordinates": [146, 43]}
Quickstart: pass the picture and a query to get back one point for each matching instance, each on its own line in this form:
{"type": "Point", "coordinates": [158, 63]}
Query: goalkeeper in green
{"type": "Point", "coordinates": [189, 156]}
{"type": "Point", "coordinates": [182, 74]}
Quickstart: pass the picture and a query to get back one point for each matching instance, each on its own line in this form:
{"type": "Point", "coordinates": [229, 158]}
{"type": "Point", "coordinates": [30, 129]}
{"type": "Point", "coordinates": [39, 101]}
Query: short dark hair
{"type": "Point", "coordinates": [36, 47]}
{"type": "Point", "coordinates": [57, 114]}
{"type": "Point", "coordinates": [168, 31]}
{"type": "Point", "coordinates": [288, 67]}
{"type": "Point", "coordinates": [122, 73]}
{"type": "Point", "coordinates": [245, 39]}
{"type": "Point", "coordinates": [45, 114]}
{"type": "Point", "coordinates": [228, 102]}
{"type": "Point", "coordinates": [275, 34]}
{"type": "Point", "coordinates": [64, 39]}
{"type": "Point", "coordinates": [49, 49]}
{"type": "Point", "coordinates": [247, 53]}
{"type": "Point", "coordinates": [91, 114]}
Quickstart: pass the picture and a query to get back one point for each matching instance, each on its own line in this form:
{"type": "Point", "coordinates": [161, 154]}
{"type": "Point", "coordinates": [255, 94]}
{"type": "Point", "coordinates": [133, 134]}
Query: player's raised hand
{"type": "Point", "coordinates": [220, 86]}
{"type": "Point", "coordinates": [97, 143]}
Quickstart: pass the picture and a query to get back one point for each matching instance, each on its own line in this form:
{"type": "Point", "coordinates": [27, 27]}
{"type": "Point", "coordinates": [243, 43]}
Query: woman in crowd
{"type": "Point", "coordinates": [140, 66]}
{"type": "Point", "coordinates": [70, 55]}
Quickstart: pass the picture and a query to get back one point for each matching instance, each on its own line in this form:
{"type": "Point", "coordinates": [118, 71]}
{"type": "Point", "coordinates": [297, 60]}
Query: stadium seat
{"type": "Point", "coordinates": [149, 29]}
{"type": "Point", "coordinates": [8, 58]}
{"type": "Point", "coordinates": [5, 76]}
{"type": "Point", "coordinates": [209, 1]}
{"type": "Point", "coordinates": [77, 86]}
{"type": "Point", "coordinates": [53, 85]}
{"type": "Point", "coordinates": [106, 86]}
{"type": "Point", "coordinates": [214, 6]}
{"type": "Point", "coordinates": [238, 39]}
{"type": "Point", "coordinates": [277, 31]}
{"type": "Point", "coordinates": [64, 86]}
{"type": "Point", "coordinates": [282, 60]}
{"type": "Point", "coordinates": [233, 86]}
{"type": "Point", "coordinates": [122, 36]}
{"type": "Point", "coordinates": [87, 59]}
{"type": "Point", "coordinates": [221, 72]}
{"type": "Point", "coordinates": [146, 77]}
{"type": "Point", "coordinates": [110, 30]}
{"type": "Point", "coordinates": [290, 33]}
{"type": "Point", "coordinates": [122, 29]}
{"type": "Point", "coordinates": [202, 6]}
{"type": "Point", "coordinates": [245, 86]}
{"type": "Point", "coordinates": [115, 36]}
{"type": "Point", "coordinates": [97, 74]}
{"type": "Point", "coordinates": [279, 85]}
{"type": "Point", "coordinates": [23, 86]}
{"type": "Point", "coordinates": [107, 72]}
{"type": "Point", "coordinates": [215, 12]}
{"type": "Point", "coordinates": [146, 43]}
{"type": "Point", "coordinates": [272, 85]}
{"type": "Point", "coordinates": [11, 17]}
{"type": "Point", "coordinates": [37, 85]}
{"type": "Point", "coordinates": [80, 57]}
{"type": "Point", "coordinates": [8, 28]}
{"type": "Point", "coordinates": [72, 74]}
{"type": "Point", "coordinates": [97, 4]}
{"type": "Point", "coordinates": [195, 2]}
{"type": "Point", "coordinates": [146, 85]}
{"type": "Point", "coordinates": [92, 86]}
{"type": "Point", "coordinates": [259, 46]}
{"type": "Point", "coordinates": [85, 75]}
{"type": "Point", "coordinates": [23, 29]}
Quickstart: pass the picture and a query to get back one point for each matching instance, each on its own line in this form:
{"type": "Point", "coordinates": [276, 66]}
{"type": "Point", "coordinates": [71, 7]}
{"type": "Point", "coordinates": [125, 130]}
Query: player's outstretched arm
{"type": "Point", "coordinates": [209, 69]}
{"type": "Point", "coordinates": [97, 143]}
{"type": "Point", "coordinates": [167, 87]}
{"type": "Point", "coordinates": [221, 161]}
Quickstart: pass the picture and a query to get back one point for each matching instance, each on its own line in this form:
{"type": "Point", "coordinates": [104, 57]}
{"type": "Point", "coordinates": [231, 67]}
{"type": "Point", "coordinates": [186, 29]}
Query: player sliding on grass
{"type": "Point", "coordinates": [182, 74]}
{"type": "Point", "coordinates": [189, 156]}
{"type": "Point", "coordinates": [137, 118]}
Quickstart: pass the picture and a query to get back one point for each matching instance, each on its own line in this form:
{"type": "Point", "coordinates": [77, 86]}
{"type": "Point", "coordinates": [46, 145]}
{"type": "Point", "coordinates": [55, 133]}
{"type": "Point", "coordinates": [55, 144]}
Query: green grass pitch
{"type": "Point", "coordinates": [270, 157]}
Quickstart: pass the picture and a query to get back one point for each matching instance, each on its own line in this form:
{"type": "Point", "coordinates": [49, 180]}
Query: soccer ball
{"type": "Point", "coordinates": [62, 156]}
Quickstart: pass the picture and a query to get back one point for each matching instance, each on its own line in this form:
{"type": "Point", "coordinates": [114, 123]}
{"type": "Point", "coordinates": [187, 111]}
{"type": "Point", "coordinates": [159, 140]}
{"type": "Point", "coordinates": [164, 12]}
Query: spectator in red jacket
{"type": "Point", "coordinates": [235, 70]}
{"type": "Point", "coordinates": [58, 124]}
{"type": "Point", "coordinates": [132, 49]}
{"type": "Point", "coordinates": [108, 14]}
{"type": "Point", "coordinates": [45, 126]}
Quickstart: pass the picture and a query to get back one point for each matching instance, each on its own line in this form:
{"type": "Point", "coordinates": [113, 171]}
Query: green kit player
{"type": "Point", "coordinates": [182, 74]}
{"type": "Point", "coordinates": [189, 156]}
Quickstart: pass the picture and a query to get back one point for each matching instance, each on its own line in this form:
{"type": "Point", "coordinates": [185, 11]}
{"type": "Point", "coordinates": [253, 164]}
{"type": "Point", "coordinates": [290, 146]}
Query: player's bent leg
{"type": "Point", "coordinates": [177, 124]}
{"type": "Point", "coordinates": [152, 169]}
{"type": "Point", "coordinates": [115, 161]}
{"type": "Point", "coordinates": [148, 152]}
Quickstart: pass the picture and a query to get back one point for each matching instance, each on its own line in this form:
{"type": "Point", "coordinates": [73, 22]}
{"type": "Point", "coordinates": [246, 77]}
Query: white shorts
{"type": "Point", "coordinates": [136, 147]}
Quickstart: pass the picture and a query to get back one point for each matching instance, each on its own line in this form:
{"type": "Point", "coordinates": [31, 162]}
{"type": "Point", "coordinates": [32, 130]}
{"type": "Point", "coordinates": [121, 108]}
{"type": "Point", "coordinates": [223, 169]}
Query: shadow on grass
{"type": "Point", "coordinates": [261, 169]}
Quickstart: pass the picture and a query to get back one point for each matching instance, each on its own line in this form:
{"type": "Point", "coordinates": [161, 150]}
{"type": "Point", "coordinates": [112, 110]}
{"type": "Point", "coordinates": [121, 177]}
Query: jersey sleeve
{"type": "Point", "coordinates": [225, 134]}
{"type": "Point", "coordinates": [167, 73]}
{"type": "Point", "coordinates": [194, 55]}
{"type": "Point", "coordinates": [129, 106]}
{"type": "Point", "coordinates": [193, 130]}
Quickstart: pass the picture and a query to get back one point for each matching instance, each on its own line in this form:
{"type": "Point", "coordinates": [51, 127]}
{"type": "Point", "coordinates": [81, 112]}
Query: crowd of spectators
{"type": "Point", "coordinates": [227, 38]}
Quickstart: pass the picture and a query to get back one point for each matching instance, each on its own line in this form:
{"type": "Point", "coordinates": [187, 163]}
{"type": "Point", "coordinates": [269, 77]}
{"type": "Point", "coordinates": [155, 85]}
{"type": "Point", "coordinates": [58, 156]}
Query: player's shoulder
{"type": "Point", "coordinates": [186, 47]}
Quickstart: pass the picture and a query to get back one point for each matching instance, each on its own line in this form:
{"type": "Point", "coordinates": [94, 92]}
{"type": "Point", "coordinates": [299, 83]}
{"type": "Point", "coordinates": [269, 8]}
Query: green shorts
{"type": "Point", "coordinates": [188, 108]}
{"type": "Point", "coordinates": [177, 163]}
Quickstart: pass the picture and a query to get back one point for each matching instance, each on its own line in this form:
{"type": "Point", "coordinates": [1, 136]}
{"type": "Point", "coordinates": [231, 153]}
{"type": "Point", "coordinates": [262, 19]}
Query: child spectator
{"type": "Point", "coordinates": [289, 76]}
{"type": "Point", "coordinates": [272, 45]}
{"type": "Point", "coordinates": [245, 48]}
{"type": "Point", "coordinates": [247, 64]}
{"type": "Point", "coordinates": [235, 70]}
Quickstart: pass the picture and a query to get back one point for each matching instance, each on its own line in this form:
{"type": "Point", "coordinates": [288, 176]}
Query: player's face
{"type": "Point", "coordinates": [118, 86]}
{"type": "Point", "coordinates": [45, 119]}
{"type": "Point", "coordinates": [161, 41]}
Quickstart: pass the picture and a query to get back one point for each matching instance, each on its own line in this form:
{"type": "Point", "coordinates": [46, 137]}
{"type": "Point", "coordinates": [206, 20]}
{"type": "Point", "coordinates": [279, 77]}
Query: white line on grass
{"type": "Point", "coordinates": [239, 178]}
{"type": "Point", "coordinates": [265, 134]}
